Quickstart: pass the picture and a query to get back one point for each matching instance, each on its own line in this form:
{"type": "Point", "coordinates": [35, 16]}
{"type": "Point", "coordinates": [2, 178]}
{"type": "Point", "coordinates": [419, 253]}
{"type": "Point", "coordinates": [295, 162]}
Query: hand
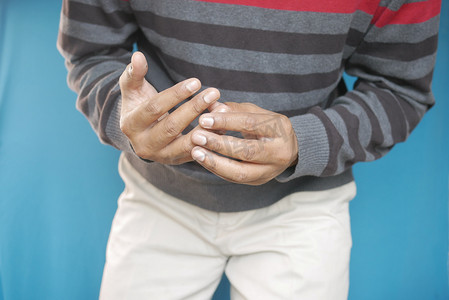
{"type": "Point", "coordinates": [268, 148]}
{"type": "Point", "coordinates": [153, 133]}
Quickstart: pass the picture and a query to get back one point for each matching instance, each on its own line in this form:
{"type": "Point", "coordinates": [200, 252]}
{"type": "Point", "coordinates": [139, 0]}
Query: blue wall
{"type": "Point", "coordinates": [59, 185]}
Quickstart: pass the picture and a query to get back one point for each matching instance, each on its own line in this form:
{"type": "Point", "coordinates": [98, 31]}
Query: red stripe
{"type": "Point", "coordinates": [325, 6]}
{"type": "Point", "coordinates": [410, 13]}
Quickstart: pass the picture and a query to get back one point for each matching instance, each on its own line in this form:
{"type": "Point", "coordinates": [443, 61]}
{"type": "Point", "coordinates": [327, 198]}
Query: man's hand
{"type": "Point", "coordinates": [268, 148]}
{"type": "Point", "coordinates": [154, 134]}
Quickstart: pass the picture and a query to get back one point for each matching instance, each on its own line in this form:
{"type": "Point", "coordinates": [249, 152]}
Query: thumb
{"type": "Point", "coordinates": [134, 75]}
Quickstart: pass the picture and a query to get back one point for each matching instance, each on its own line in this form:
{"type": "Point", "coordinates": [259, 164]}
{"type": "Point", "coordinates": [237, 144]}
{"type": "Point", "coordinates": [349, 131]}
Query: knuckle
{"type": "Point", "coordinates": [250, 123]}
{"type": "Point", "coordinates": [178, 92]}
{"type": "Point", "coordinates": [124, 127]}
{"type": "Point", "coordinates": [187, 147]}
{"type": "Point", "coordinates": [283, 157]}
{"type": "Point", "coordinates": [249, 104]}
{"type": "Point", "coordinates": [141, 152]}
{"type": "Point", "coordinates": [284, 120]}
{"type": "Point", "coordinates": [127, 127]}
{"type": "Point", "coordinates": [153, 109]}
{"type": "Point", "coordinates": [171, 127]}
{"type": "Point", "coordinates": [214, 144]}
{"type": "Point", "coordinates": [197, 107]}
{"type": "Point", "coordinates": [249, 153]}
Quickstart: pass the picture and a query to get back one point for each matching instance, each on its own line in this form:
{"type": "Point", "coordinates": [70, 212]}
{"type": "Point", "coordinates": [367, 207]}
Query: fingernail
{"type": "Point", "coordinates": [193, 85]}
{"type": "Point", "coordinates": [130, 71]}
{"type": "Point", "coordinates": [198, 155]}
{"type": "Point", "coordinates": [210, 96]}
{"type": "Point", "coordinates": [207, 122]}
{"type": "Point", "coordinates": [199, 139]}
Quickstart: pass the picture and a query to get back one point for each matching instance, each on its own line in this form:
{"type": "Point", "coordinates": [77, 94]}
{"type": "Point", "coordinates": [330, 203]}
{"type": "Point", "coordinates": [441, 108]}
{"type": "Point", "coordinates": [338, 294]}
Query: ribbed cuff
{"type": "Point", "coordinates": [113, 132]}
{"type": "Point", "coordinates": [313, 144]}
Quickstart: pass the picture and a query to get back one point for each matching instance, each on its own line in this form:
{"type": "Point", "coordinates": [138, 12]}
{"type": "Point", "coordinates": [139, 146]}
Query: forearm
{"type": "Point", "coordinates": [96, 41]}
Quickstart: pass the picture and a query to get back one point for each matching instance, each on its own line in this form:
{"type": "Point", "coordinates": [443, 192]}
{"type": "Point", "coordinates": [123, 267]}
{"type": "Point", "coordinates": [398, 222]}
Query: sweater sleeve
{"type": "Point", "coordinates": [394, 64]}
{"type": "Point", "coordinates": [96, 39]}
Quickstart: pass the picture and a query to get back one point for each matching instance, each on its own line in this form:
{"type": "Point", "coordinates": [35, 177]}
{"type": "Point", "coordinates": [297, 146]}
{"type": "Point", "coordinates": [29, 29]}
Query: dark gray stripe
{"type": "Point", "coordinates": [377, 137]}
{"type": "Point", "coordinates": [85, 97]}
{"type": "Point", "coordinates": [352, 126]}
{"type": "Point", "coordinates": [242, 38]}
{"type": "Point", "coordinates": [411, 113]}
{"type": "Point", "coordinates": [251, 81]}
{"type": "Point", "coordinates": [244, 60]}
{"type": "Point", "coordinates": [355, 37]}
{"type": "Point", "coordinates": [394, 112]}
{"type": "Point", "coordinates": [335, 141]}
{"type": "Point", "coordinates": [95, 15]}
{"type": "Point", "coordinates": [79, 48]}
{"type": "Point", "coordinates": [400, 51]}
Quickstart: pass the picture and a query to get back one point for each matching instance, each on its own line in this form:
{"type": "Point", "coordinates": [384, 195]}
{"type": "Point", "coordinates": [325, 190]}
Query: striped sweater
{"type": "Point", "coordinates": [286, 56]}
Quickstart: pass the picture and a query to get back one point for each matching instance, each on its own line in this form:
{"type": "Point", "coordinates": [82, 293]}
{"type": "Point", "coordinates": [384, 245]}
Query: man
{"type": "Point", "coordinates": [258, 186]}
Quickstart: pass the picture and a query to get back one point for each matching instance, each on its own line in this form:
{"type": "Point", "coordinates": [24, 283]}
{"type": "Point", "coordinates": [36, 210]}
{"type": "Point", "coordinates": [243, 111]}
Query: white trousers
{"type": "Point", "coordinates": [163, 248]}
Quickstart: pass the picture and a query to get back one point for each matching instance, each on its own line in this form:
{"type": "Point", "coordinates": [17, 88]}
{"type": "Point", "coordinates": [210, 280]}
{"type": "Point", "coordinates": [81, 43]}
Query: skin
{"type": "Point", "coordinates": [153, 133]}
{"type": "Point", "coordinates": [268, 147]}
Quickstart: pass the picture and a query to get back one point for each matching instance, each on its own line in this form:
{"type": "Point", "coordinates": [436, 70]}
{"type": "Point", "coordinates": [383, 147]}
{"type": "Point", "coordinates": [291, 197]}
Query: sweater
{"type": "Point", "coordinates": [285, 56]}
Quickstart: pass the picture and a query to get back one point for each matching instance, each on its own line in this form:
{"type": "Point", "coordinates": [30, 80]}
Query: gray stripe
{"type": "Point", "coordinates": [370, 133]}
{"type": "Point", "coordinates": [106, 6]}
{"type": "Point", "coordinates": [91, 99]}
{"type": "Point", "coordinates": [368, 127]}
{"type": "Point", "coordinates": [361, 21]}
{"type": "Point", "coordinates": [313, 145]}
{"type": "Point", "coordinates": [335, 141]}
{"type": "Point", "coordinates": [394, 111]}
{"type": "Point", "coordinates": [353, 127]}
{"type": "Point", "coordinates": [345, 152]}
{"type": "Point", "coordinates": [253, 82]}
{"type": "Point", "coordinates": [97, 34]}
{"type": "Point", "coordinates": [396, 5]}
{"type": "Point", "coordinates": [408, 33]}
{"type": "Point", "coordinates": [371, 100]}
{"type": "Point", "coordinates": [248, 16]}
{"type": "Point", "coordinates": [405, 70]}
{"type": "Point", "coordinates": [244, 60]}
{"type": "Point", "coordinates": [113, 132]}
{"type": "Point", "coordinates": [347, 52]}
{"type": "Point", "coordinates": [280, 102]}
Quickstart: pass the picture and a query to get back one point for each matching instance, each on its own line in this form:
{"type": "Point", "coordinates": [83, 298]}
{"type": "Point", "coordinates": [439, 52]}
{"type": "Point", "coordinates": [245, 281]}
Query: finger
{"type": "Point", "coordinates": [219, 107]}
{"type": "Point", "coordinates": [231, 170]}
{"type": "Point", "coordinates": [261, 125]}
{"type": "Point", "coordinates": [134, 75]}
{"type": "Point", "coordinates": [178, 151]}
{"type": "Point", "coordinates": [255, 151]}
{"type": "Point", "coordinates": [246, 107]}
{"type": "Point", "coordinates": [171, 126]}
{"type": "Point", "coordinates": [155, 107]}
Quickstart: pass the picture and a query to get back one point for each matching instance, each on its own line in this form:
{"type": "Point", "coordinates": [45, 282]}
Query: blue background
{"type": "Point", "coordinates": [59, 185]}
